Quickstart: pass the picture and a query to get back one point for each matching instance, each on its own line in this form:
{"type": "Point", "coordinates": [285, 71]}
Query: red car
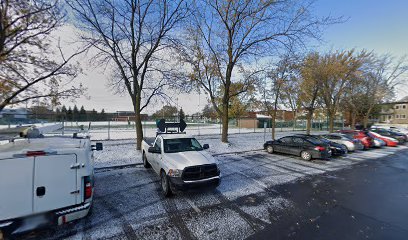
{"type": "Point", "coordinates": [390, 142]}
{"type": "Point", "coordinates": [367, 141]}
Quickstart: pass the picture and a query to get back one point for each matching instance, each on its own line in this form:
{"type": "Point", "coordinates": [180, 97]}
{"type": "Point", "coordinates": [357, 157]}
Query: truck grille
{"type": "Point", "coordinates": [200, 172]}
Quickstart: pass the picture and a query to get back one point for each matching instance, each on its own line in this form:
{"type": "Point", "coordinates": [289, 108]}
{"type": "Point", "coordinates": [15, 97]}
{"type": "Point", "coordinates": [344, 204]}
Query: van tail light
{"type": "Point", "coordinates": [88, 188]}
{"type": "Point", "coordinates": [319, 148]}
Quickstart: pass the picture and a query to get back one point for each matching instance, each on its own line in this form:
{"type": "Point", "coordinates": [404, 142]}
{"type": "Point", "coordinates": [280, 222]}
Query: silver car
{"type": "Point", "coordinates": [350, 143]}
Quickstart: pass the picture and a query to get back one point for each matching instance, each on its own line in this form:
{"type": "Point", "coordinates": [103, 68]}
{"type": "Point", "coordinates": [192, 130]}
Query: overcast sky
{"type": "Point", "coordinates": [376, 25]}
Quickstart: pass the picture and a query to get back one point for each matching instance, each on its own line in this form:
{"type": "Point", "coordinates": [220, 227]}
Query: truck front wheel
{"type": "Point", "coordinates": [165, 184]}
{"type": "Point", "coordinates": [146, 164]}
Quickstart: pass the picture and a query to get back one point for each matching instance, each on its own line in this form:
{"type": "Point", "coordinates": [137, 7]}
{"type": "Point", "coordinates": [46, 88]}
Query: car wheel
{"type": "Point", "coordinates": [165, 184]}
{"type": "Point", "coordinates": [269, 149]}
{"type": "Point", "coordinates": [345, 148]}
{"type": "Point", "coordinates": [146, 164]}
{"type": "Point", "coordinates": [305, 155]}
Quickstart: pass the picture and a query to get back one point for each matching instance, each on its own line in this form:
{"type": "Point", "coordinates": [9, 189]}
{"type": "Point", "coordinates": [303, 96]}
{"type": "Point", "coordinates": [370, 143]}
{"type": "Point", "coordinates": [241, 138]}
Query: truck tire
{"type": "Point", "coordinates": [146, 164]}
{"type": "Point", "coordinates": [165, 185]}
{"type": "Point", "coordinates": [305, 155]}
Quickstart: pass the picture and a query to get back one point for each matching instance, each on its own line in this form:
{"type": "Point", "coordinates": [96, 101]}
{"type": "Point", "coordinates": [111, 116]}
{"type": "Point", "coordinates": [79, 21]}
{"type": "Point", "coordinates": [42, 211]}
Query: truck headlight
{"type": "Point", "coordinates": [175, 173]}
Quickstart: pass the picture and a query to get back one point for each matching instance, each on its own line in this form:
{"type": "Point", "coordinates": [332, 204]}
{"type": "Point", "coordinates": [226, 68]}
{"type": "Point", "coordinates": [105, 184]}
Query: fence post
{"type": "Point", "coordinates": [63, 127]}
{"type": "Point", "coordinates": [265, 124]}
{"type": "Point", "coordinates": [109, 130]}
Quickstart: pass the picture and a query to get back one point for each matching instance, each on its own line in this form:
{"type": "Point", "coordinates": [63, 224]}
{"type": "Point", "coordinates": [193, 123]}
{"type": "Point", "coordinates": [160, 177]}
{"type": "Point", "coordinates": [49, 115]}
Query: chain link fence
{"type": "Point", "coordinates": [124, 128]}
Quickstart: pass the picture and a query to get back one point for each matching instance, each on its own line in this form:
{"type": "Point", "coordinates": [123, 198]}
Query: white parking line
{"type": "Point", "coordinates": [193, 205]}
{"type": "Point", "coordinates": [257, 181]}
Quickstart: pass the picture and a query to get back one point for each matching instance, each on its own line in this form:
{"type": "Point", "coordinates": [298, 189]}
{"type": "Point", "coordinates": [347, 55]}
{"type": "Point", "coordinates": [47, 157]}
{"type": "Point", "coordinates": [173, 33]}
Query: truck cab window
{"type": "Point", "coordinates": [157, 145]}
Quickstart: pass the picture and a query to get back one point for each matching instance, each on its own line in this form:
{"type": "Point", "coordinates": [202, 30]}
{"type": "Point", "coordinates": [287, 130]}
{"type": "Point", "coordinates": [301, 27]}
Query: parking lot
{"type": "Point", "coordinates": [128, 203]}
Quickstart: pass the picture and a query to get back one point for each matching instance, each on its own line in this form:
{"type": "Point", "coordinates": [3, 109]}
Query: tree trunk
{"type": "Point", "coordinates": [225, 105]}
{"type": "Point", "coordinates": [294, 121]}
{"type": "Point", "coordinates": [353, 120]}
{"type": "Point", "coordinates": [224, 137]}
{"type": "Point", "coordinates": [365, 122]}
{"type": "Point", "coordinates": [273, 124]}
{"type": "Point", "coordinates": [367, 116]}
{"type": "Point", "coordinates": [138, 123]}
{"type": "Point", "coordinates": [331, 123]}
{"type": "Point", "coordinates": [309, 121]}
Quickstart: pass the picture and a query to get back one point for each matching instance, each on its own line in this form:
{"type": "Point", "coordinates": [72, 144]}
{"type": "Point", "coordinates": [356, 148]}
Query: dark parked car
{"type": "Point", "coordinates": [336, 149]}
{"type": "Point", "coordinates": [305, 147]}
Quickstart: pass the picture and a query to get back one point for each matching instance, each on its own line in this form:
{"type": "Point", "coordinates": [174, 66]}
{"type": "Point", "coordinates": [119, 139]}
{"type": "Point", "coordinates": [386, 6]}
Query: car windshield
{"type": "Point", "coordinates": [181, 145]}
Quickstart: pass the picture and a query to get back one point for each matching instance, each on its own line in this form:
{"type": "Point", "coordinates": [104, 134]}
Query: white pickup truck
{"type": "Point", "coordinates": [45, 181]}
{"type": "Point", "coordinates": [181, 162]}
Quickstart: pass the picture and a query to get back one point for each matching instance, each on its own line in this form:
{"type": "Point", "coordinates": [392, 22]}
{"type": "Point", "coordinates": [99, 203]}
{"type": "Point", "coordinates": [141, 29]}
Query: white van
{"type": "Point", "coordinates": [45, 181]}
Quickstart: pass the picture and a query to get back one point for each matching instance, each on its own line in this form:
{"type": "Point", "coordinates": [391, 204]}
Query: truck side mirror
{"type": "Point", "coordinates": [153, 150]}
{"type": "Point", "coordinates": [206, 146]}
{"type": "Point", "coordinates": [99, 146]}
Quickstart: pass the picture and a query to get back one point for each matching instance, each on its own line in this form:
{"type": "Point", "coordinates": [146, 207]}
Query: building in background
{"type": "Point", "coordinates": [14, 113]}
{"type": "Point", "coordinates": [394, 112]}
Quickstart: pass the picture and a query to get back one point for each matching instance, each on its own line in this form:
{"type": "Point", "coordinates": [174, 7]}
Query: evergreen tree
{"type": "Point", "coordinates": [181, 114]}
{"type": "Point", "coordinates": [75, 113]}
{"type": "Point", "coordinates": [82, 114]}
{"type": "Point", "coordinates": [102, 116]}
{"type": "Point", "coordinates": [69, 114]}
{"type": "Point", "coordinates": [94, 115]}
{"type": "Point", "coordinates": [64, 112]}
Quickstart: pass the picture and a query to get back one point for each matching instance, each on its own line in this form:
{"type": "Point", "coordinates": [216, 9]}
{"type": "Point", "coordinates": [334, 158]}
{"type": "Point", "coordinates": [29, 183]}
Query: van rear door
{"type": "Point", "coordinates": [16, 187]}
{"type": "Point", "coordinates": [55, 182]}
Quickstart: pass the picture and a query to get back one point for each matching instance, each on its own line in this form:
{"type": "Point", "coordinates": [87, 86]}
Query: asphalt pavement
{"type": "Point", "coordinates": [262, 196]}
{"type": "Point", "coordinates": [368, 201]}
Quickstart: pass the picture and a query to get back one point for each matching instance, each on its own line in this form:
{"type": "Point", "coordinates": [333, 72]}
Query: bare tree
{"type": "Point", "coordinates": [272, 87]}
{"type": "Point", "coordinates": [29, 68]}
{"type": "Point", "coordinates": [135, 38]}
{"type": "Point", "coordinates": [290, 94]}
{"type": "Point", "coordinates": [380, 75]}
{"type": "Point", "coordinates": [310, 87]}
{"type": "Point", "coordinates": [228, 34]}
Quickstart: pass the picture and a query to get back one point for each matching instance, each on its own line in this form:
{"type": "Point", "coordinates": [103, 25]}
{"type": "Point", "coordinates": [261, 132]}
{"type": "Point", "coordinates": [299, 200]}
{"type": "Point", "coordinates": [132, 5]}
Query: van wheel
{"type": "Point", "coordinates": [146, 164]}
{"type": "Point", "coordinates": [269, 149]}
{"type": "Point", "coordinates": [305, 155]}
{"type": "Point", "coordinates": [165, 184]}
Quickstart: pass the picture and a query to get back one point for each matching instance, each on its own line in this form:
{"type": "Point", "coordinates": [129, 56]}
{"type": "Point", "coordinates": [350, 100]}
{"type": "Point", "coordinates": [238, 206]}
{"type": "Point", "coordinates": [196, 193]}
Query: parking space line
{"type": "Point", "coordinates": [263, 185]}
{"type": "Point", "coordinates": [193, 205]}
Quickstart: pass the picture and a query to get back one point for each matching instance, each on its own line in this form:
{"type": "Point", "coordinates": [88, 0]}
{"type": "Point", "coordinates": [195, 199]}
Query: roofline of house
{"type": "Point", "coordinates": [390, 103]}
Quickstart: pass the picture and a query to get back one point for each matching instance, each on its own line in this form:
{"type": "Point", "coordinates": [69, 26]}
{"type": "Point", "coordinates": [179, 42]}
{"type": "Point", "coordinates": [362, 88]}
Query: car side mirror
{"type": "Point", "coordinates": [97, 147]}
{"type": "Point", "coordinates": [206, 146]}
{"type": "Point", "coordinates": [153, 150]}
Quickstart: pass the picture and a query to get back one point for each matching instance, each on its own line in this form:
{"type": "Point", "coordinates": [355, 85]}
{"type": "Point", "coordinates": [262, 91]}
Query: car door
{"type": "Point", "coordinates": [298, 145]}
{"type": "Point", "coordinates": [155, 157]}
{"type": "Point", "coordinates": [286, 145]}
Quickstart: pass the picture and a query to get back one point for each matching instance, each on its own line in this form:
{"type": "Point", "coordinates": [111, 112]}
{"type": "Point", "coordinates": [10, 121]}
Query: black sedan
{"type": "Point", "coordinates": [305, 147]}
{"type": "Point", "coordinates": [337, 149]}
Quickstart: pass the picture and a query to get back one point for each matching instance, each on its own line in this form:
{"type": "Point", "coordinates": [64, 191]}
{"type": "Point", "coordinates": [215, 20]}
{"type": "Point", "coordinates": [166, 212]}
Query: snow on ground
{"type": "Point", "coordinates": [128, 203]}
{"type": "Point", "coordinates": [197, 130]}
{"type": "Point", "coordinates": [120, 152]}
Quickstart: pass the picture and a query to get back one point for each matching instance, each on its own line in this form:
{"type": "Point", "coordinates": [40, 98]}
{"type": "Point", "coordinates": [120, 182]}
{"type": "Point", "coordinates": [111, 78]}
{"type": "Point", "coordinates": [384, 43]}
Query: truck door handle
{"type": "Point", "coordinates": [40, 191]}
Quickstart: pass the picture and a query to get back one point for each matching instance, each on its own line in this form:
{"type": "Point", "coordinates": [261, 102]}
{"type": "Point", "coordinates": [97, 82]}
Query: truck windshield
{"type": "Point", "coordinates": [181, 145]}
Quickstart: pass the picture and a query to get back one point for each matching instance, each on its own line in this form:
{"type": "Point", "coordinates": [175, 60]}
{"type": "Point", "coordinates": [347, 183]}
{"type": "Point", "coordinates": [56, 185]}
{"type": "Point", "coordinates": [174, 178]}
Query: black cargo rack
{"type": "Point", "coordinates": [171, 127]}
